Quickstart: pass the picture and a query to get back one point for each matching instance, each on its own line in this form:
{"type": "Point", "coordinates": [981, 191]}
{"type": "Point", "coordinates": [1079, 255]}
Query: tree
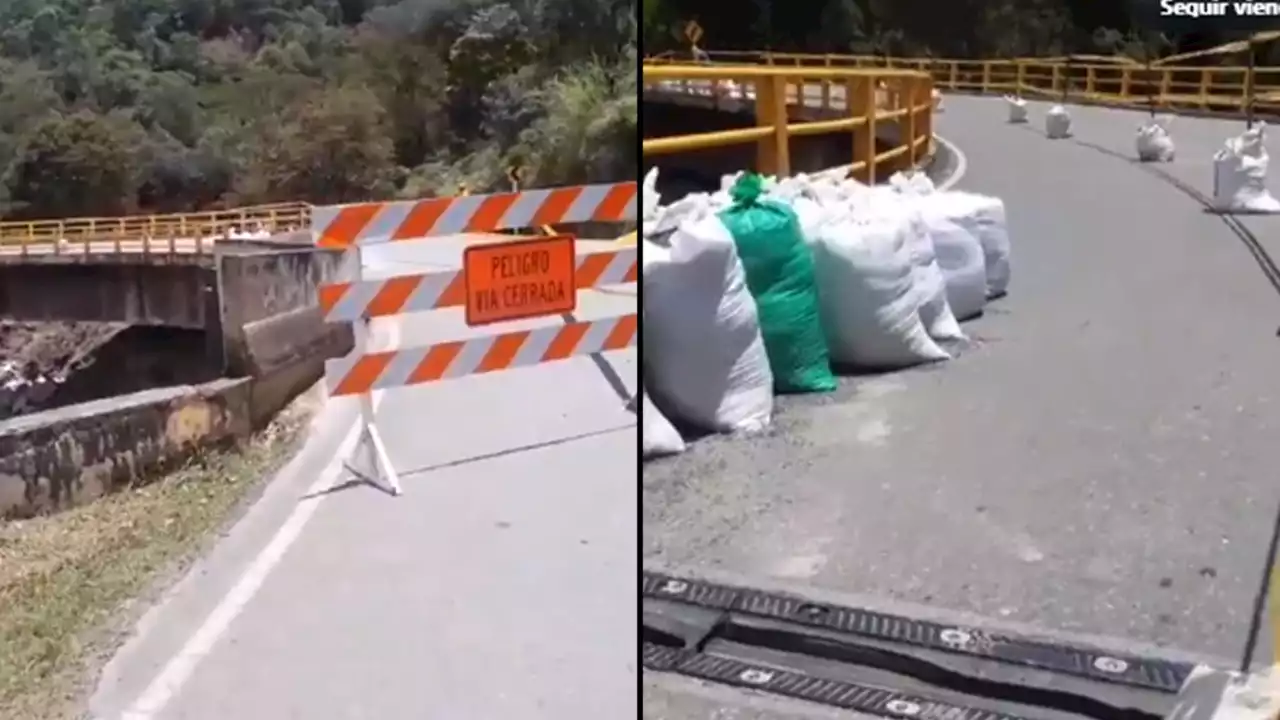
{"type": "Point", "coordinates": [335, 149]}
{"type": "Point", "coordinates": [79, 164]}
{"type": "Point", "coordinates": [496, 43]}
{"type": "Point", "coordinates": [114, 105]}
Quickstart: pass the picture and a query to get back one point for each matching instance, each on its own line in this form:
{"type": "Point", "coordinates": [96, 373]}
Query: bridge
{"type": "Point", "coordinates": [1097, 465]}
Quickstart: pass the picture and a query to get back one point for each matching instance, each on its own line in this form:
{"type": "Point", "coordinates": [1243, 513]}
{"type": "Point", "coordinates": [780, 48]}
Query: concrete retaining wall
{"type": "Point", "coordinates": [179, 295]}
{"type": "Point", "coordinates": [270, 322]}
{"type": "Point", "coordinates": [59, 458]}
{"type": "Point", "coordinates": [263, 328]}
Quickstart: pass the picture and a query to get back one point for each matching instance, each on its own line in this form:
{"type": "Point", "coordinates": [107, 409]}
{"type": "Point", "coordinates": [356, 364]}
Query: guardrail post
{"type": "Point", "coordinates": [1126, 79]}
{"type": "Point", "coordinates": [773, 154]}
{"type": "Point", "coordinates": [1249, 88]}
{"type": "Point", "coordinates": [826, 86]}
{"type": "Point", "coordinates": [912, 93]}
{"type": "Point", "coordinates": [1206, 79]}
{"type": "Point", "coordinates": [1090, 80]}
{"type": "Point", "coordinates": [1166, 78]}
{"type": "Point", "coordinates": [953, 78]}
{"type": "Point", "coordinates": [860, 94]}
{"type": "Point", "coordinates": [1057, 77]}
{"type": "Point", "coordinates": [986, 76]}
{"type": "Point", "coordinates": [1020, 77]}
{"type": "Point", "coordinates": [925, 123]}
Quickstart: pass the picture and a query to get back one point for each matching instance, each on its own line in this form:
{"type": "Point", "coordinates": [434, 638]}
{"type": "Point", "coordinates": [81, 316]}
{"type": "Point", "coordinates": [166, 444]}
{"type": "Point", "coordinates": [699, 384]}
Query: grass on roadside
{"type": "Point", "coordinates": [65, 578]}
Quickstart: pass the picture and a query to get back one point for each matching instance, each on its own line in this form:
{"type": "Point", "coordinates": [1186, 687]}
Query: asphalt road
{"type": "Point", "coordinates": [501, 584]}
{"type": "Point", "coordinates": [1099, 462]}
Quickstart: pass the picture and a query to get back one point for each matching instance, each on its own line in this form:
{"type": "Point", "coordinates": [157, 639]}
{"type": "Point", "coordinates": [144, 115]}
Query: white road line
{"type": "Point", "coordinates": [962, 163]}
{"type": "Point", "coordinates": [175, 673]}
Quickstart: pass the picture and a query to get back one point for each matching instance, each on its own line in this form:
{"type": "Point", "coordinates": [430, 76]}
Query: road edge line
{"type": "Point", "coordinates": [175, 673]}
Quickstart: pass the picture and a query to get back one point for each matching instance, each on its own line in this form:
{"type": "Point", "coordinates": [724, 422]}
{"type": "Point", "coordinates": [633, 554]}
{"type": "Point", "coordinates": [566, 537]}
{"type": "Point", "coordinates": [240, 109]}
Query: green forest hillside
{"type": "Point", "coordinates": [941, 28]}
{"type": "Point", "coordinates": [117, 106]}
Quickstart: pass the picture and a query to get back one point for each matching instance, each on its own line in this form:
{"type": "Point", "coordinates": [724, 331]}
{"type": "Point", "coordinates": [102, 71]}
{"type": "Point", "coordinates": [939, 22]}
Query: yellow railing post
{"type": "Point", "coordinates": [1090, 80]}
{"type": "Point", "coordinates": [925, 124]}
{"type": "Point", "coordinates": [1206, 80]}
{"type": "Point", "coordinates": [773, 152]}
{"type": "Point", "coordinates": [826, 87]}
{"type": "Point", "coordinates": [1020, 76]}
{"type": "Point", "coordinates": [986, 76]}
{"type": "Point", "coordinates": [952, 79]}
{"type": "Point", "coordinates": [908, 128]}
{"type": "Point", "coordinates": [1126, 80]}
{"type": "Point", "coordinates": [860, 98]}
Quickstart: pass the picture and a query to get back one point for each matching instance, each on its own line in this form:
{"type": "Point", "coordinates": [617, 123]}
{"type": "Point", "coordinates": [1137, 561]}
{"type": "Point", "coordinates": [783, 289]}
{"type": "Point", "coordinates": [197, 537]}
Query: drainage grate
{"type": "Point", "coordinates": [1148, 673]}
{"type": "Point", "coordinates": [846, 695]}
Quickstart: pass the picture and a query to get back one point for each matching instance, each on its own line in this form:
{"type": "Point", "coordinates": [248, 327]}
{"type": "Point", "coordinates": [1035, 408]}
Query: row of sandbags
{"type": "Point", "coordinates": [762, 286]}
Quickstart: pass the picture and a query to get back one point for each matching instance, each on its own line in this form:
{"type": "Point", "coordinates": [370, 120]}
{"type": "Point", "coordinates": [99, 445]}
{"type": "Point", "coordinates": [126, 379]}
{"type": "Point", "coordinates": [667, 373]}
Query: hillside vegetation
{"type": "Point", "coordinates": [941, 28]}
{"type": "Point", "coordinates": [118, 106]}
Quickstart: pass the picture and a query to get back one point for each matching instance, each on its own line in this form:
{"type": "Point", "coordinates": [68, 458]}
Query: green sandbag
{"type": "Point", "coordinates": [779, 269]}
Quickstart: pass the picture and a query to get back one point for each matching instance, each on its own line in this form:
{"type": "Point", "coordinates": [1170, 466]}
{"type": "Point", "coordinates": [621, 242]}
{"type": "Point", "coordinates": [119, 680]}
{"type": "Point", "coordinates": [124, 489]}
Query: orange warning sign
{"type": "Point", "coordinates": [520, 279]}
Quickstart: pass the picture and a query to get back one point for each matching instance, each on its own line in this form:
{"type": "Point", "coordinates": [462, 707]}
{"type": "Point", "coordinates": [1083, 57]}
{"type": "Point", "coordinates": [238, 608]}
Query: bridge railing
{"type": "Point", "coordinates": [1093, 78]}
{"type": "Point", "coordinates": [168, 233]}
{"type": "Point", "coordinates": [851, 100]}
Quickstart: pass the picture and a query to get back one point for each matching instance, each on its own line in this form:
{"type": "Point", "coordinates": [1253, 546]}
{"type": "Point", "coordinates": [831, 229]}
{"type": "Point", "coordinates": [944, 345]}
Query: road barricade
{"type": "Point", "coordinates": [498, 282]}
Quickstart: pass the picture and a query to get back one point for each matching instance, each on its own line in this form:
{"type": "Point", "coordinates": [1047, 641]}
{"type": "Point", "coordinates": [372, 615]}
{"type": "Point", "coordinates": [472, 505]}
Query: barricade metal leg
{"type": "Point", "coordinates": [377, 459]}
{"type": "Point", "coordinates": [377, 462]}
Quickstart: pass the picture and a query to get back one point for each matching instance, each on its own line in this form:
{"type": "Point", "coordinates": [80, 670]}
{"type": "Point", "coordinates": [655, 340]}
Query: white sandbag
{"type": "Point", "coordinates": [1154, 144]}
{"type": "Point", "coordinates": [705, 358]}
{"type": "Point", "coordinates": [1240, 174]}
{"type": "Point", "coordinates": [913, 183]}
{"type": "Point", "coordinates": [1057, 123]}
{"type": "Point", "coordinates": [870, 307]}
{"type": "Point", "coordinates": [658, 436]}
{"type": "Point", "coordinates": [1017, 109]}
{"type": "Point", "coordinates": [983, 217]}
{"type": "Point", "coordinates": [939, 321]}
{"type": "Point", "coordinates": [836, 175]}
{"type": "Point", "coordinates": [961, 259]}
{"type": "Point", "coordinates": [650, 200]}
{"type": "Point", "coordinates": [928, 280]}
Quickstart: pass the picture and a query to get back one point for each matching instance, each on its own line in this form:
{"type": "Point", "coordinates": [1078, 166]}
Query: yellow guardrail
{"type": "Point", "coordinates": [174, 232]}
{"type": "Point", "coordinates": [1115, 80]}
{"type": "Point", "coordinates": [862, 98]}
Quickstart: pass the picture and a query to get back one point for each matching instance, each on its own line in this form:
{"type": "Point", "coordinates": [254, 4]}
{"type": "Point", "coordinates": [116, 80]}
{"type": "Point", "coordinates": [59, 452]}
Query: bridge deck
{"type": "Point", "coordinates": [1101, 460]}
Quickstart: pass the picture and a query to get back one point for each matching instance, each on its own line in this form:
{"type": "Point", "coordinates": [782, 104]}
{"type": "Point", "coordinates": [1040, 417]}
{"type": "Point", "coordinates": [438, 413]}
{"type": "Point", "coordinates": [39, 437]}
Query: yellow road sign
{"type": "Point", "coordinates": [693, 32]}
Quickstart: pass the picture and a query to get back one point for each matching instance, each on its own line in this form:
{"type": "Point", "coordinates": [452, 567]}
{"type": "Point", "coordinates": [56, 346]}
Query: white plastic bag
{"type": "Point", "coordinates": [650, 200]}
{"type": "Point", "coordinates": [1057, 123]}
{"type": "Point", "coordinates": [984, 218]}
{"type": "Point", "coordinates": [657, 435]}
{"type": "Point", "coordinates": [963, 265]}
{"type": "Point", "coordinates": [1017, 109]}
{"type": "Point", "coordinates": [915, 183]}
{"type": "Point", "coordinates": [705, 358]}
{"type": "Point", "coordinates": [866, 286]}
{"type": "Point", "coordinates": [1240, 174]}
{"type": "Point", "coordinates": [930, 283]}
{"type": "Point", "coordinates": [1154, 143]}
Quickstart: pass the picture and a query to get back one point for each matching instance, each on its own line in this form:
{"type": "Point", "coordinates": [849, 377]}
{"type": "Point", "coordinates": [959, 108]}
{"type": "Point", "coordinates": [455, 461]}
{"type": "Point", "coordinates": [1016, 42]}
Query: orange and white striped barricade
{"type": "Point", "coordinates": [498, 282]}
